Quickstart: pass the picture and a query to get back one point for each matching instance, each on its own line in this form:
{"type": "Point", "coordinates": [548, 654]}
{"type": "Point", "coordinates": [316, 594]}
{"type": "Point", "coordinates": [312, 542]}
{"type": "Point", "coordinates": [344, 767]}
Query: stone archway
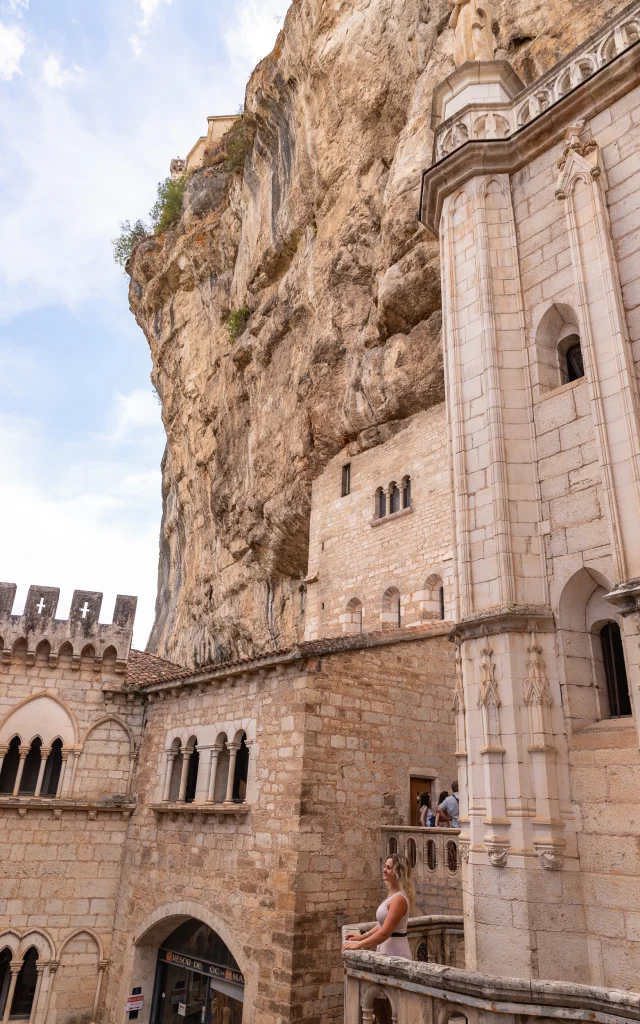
{"type": "Point", "coordinates": [152, 932]}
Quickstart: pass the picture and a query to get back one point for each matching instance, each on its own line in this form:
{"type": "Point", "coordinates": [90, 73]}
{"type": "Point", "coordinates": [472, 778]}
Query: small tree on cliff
{"type": "Point", "coordinates": [165, 211]}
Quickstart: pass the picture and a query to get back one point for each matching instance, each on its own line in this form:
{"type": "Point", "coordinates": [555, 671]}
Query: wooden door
{"type": "Point", "coordinates": [418, 786]}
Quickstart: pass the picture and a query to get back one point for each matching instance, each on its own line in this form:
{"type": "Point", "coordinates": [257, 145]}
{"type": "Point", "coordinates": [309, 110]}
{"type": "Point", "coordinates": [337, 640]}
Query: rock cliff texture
{"type": "Point", "coordinates": [316, 234]}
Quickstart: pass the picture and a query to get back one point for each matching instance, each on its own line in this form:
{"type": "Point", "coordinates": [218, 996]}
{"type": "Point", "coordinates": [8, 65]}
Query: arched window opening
{"type": "Point", "coordinates": [353, 622]}
{"type": "Point", "coordinates": [176, 773]}
{"type": "Point", "coordinates": [392, 846]}
{"type": "Point", "coordinates": [432, 858]}
{"type": "Point", "coordinates": [394, 498]}
{"type": "Point", "coordinates": [432, 603]}
{"type": "Point", "coordinates": [381, 503]}
{"type": "Point", "coordinates": [222, 769]}
{"type": "Point", "coordinates": [192, 776]}
{"type": "Point", "coordinates": [422, 952]}
{"type": "Point", "coordinates": [441, 601]}
{"type": "Point", "coordinates": [571, 361]}
{"type": "Point", "coordinates": [241, 772]}
{"type": "Point", "coordinates": [615, 671]}
{"type": "Point", "coordinates": [52, 770]}
{"type": "Point", "coordinates": [382, 1012]}
{"type": "Point", "coordinates": [10, 766]}
{"type": "Point", "coordinates": [452, 857]}
{"type": "Point", "coordinates": [204, 977]}
{"type": "Point", "coordinates": [412, 853]}
{"type": "Point", "coordinates": [5, 977]}
{"type": "Point", "coordinates": [391, 609]}
{"type": "Point", "coordinates": [25, 986]}
{"type": "Point", "coordinates": [406, 492]}
{"type": "Point", "coordinates": [31, 769]}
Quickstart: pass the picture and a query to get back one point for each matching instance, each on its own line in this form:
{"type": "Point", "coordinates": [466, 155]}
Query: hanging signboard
{"type": "Point", "coordinates": [227, 974]}
{"type": "Point", "coordinates": [134, 1003]}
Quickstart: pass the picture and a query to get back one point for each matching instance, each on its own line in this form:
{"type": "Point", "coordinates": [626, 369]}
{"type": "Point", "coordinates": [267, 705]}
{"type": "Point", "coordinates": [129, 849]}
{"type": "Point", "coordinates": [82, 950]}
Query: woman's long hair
{"type": "Point", "coordinates": [404, 877]}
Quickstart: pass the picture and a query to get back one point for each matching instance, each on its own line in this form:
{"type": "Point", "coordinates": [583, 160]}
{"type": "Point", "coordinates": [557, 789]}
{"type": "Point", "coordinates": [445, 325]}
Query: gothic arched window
{"type": "Point", "coordinates": [615, 670]}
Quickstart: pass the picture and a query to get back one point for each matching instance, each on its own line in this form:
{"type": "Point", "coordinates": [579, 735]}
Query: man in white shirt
{"type": "Point", "coordinates": [451, 806]}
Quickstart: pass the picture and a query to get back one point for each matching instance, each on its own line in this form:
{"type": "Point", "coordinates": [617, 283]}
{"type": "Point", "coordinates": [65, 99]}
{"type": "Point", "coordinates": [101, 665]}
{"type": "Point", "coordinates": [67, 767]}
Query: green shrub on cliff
{"type": "Point", "coordinates": [168, 206]}
{"type": "Point", "coordinates": [237, 321]}
{"type": "Point", "coordinates": [127, 240]}
{"type": "Point", "coordinates": [237, 145]}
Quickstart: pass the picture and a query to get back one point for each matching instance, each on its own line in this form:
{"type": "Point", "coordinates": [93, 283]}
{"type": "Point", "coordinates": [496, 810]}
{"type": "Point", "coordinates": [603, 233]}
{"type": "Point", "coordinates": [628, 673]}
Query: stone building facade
{"type": "Point", "coordinates": [187, 843]}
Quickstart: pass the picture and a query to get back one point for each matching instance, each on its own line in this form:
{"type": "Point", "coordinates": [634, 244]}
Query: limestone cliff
{"type": "Point", "coordinates": [317, 235]}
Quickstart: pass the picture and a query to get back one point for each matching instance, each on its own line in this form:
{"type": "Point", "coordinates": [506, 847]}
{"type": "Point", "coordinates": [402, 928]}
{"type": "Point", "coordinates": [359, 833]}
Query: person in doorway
{"type": "Point", "coordinates": [427, 817]}
{"type": "Point", "coordinates": [389, 935]}
{"type": "Point", "coordinates": [451, 806]}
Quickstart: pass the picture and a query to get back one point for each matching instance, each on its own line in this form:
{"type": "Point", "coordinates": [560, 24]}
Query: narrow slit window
{"type": "Point", "coordinates": [394, 498]}
{"type": "Point", "coordinates": [615, 671]}
{"type": "Point", "coordinates": [346, 480]}
{"type": "Point", "coordinates": [406, 493]}
{"type": "Point", "coordinates": [575, 363]}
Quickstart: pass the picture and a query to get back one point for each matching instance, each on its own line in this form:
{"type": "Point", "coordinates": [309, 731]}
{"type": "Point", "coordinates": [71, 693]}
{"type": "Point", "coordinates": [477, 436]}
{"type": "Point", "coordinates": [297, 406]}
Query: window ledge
{"type": "Point", "coordinates": [193, 808]}
{"type": "Point", "coordinates": [379, 520]}
{"type": "Point", "coordinates": [28, 804]}
{"type": "Point", "coordinates": [560, 390]}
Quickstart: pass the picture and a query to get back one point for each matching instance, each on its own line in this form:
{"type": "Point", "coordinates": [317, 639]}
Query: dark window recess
{"type": "Point", "coordinates": [31, 769]}
{"type": "Point", "coordinates": [10, 766]}
{"type": "Point", "coordinates": [615, 670]}
{"type": "Point", "coordinates": [346, 480]}
{"type": "Point", "coordinates": [25, 985]}
{"type": "Point", "coordinates": [241, 772]}
{"type": "Point", "coordinates": [441, 599]}
{"type": "Point", "coordinates": [394, 499]}
{"type": "Point", "coordinates": [575, 364]}
{"type": "Point", "coordinates": [382, 504]}
{"type": "Point", "coordinates": [52, 770]}
{"type": "Point", "coordinates": [406, 493]}
{"type": "Point", "coordinates": [192, 777]}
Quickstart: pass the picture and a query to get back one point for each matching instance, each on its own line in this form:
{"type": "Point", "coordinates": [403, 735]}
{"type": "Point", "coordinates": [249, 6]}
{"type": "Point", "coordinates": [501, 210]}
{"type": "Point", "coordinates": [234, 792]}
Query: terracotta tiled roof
{"type": "Point", "coordinates": [143, 669]}
{"type": "Point", "coordinates": [307, 649]}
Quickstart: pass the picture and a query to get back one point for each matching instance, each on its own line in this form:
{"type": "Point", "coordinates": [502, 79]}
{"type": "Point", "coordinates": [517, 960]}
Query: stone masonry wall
{"type": "Point", "coordinates": [63, 857]}
{"type": "Point", "coordinates": [353, 558]}
{"type": "Point", "coordinates": [604, 757]}
{"type": "Point", "coordinates": [334, 748]}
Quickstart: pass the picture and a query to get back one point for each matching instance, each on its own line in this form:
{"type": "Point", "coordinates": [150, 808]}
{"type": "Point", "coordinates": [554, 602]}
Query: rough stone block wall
{"type": "Point", "coordinates": [354, 559]}
{"type": "Point", "coordinates": [334, 747]}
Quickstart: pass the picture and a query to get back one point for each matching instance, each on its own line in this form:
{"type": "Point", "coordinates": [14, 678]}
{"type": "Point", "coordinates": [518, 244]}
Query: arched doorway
{"type": "Point", "coordinates": [197, 979]}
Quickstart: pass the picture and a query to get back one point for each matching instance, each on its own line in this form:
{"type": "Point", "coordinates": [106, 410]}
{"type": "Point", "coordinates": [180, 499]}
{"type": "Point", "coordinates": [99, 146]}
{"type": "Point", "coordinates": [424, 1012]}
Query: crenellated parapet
{"type": "Point", "coordinates": [38, 631]}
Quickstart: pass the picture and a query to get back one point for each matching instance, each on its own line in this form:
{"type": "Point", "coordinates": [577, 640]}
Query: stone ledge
{"type": "Point", "coordinates": [200, 808]}
{"type": "Point", "coordinates": [379, 520]}
{"type": "Point", "coordinates": [28, 804]}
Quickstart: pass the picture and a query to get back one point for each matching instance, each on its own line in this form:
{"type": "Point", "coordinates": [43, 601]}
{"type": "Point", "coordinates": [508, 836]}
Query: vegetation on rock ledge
{"type": "Point", "coordinates": [236, 322]}
{"type": "Point", "coordinates": [163, 214]}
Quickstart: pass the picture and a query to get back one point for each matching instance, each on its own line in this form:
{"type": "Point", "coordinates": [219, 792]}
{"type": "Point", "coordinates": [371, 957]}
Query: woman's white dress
{"type": "Point", "coordinates": [397, 944]}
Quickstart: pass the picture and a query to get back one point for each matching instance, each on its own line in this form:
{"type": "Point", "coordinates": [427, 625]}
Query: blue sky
{"type": "Point", "coordinates": [96, 96]}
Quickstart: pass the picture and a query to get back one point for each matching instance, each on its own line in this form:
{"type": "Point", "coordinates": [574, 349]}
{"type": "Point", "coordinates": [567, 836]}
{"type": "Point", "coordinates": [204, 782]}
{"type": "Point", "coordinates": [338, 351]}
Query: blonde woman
{"type": "Point", "coordinates": [389, 935]}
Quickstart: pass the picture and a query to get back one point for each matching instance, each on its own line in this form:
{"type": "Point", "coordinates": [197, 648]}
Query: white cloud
{"type": "Point", "coordinates": [12, 46]}
{"type": "Point", "coordinates": [252, 33]}
{"type": "Point", "coordinates": [16, 6]}
{"type": "Point", "coordinates": [148, 9]}
{"type": "Point", "coordinates": [133, 412]}
{"type": "Point", "coordinates": [56, 76]}
{"type": "Point", "coordinates": [88, 522]}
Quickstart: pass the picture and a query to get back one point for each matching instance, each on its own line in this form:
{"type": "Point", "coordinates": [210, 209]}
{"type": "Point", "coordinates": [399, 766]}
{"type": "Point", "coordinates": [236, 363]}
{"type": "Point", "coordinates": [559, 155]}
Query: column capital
{"type": "Point", "coordinates": [15, 967]}
{"type": "Point", "coordinates": [24, 750]}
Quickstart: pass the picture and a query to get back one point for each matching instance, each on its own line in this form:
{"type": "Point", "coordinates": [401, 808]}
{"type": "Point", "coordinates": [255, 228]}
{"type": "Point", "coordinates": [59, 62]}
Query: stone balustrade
{"type": "Point", "coordinates": [391, 990]}
{"type": "Point", "coordinates": [434, 856]}
{"type": "Point", "coordinates": [499, 120]}
{"type": "Point", "coordinates": [433, 938]}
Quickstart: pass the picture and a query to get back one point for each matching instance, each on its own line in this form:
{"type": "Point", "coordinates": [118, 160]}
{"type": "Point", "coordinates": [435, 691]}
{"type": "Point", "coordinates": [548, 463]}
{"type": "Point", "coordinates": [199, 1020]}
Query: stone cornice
{"type": "Point", "coordinates": [504, 620]}
{"type": "Point", "coordinates": [510, 154]}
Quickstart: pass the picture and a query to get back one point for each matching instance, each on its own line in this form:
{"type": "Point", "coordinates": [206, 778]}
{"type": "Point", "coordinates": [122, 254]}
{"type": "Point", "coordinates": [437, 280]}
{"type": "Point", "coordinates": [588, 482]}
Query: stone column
{"type": "Point", "coordinates": [36, 995]}
{"type": "Point", "coordinates": [53, 967]}
{"type": "Point", "coordinates": [168, 772]}
{"type": "Point", "coordinates": [213, 767]}
{"type": "Point", "coordinates": [44, 753]}
{"type": "Point", "coordinates": [74, 769]}
{"type": "Point", "coordinates": [233, 749]}
{"type": "Point", "coordinates": [15, 968]}
{"type": "Point", "coordinates": [186, 758]}
{"type": "Point", "coordinates": [3, 750]}
{"type": "Point", "coordinates": [512, 756]}
{"type": "Point", "coordinates": [96, 1001]}
{"type": "Point", "coordinates": [65, 755]}
{"type": "Point", "coordinates": [23, 756]}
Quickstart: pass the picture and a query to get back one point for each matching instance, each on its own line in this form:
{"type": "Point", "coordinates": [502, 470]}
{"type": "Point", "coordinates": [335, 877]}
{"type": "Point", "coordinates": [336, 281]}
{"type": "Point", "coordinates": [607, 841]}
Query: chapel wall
{"type": "Point", "coordinates": [64, 857]}
{"type": "Point", "coordinates": [332, 748]}
{"type": "Point", "coordinates": [356, 556]}
{"type": "Point", "coordinates": [604, 760]}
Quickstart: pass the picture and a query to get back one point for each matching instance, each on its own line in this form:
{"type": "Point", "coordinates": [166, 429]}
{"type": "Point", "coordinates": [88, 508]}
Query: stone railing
{"type": "Point", "coordinates": [480, 120]}
{"type": "Point", "coordinates": [391, 990]}
{"type": "Point", "coordinates": [434, 855]}
{"type": "Point", "coordinates": [434, 938]}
